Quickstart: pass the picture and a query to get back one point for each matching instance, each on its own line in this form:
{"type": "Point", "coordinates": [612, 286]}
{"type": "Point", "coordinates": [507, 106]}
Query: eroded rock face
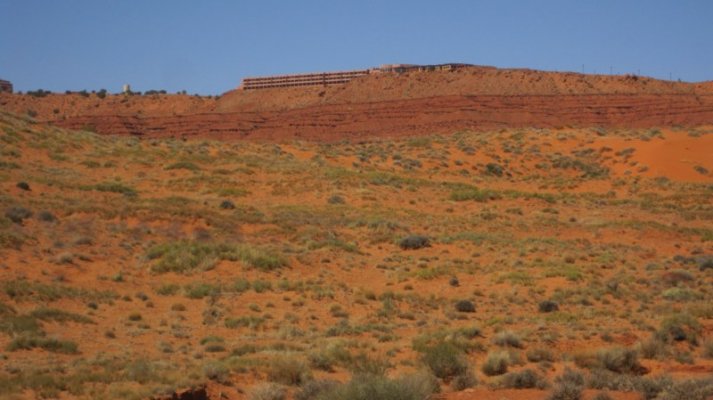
{"type": "Point", "coordinates": [198, 393]}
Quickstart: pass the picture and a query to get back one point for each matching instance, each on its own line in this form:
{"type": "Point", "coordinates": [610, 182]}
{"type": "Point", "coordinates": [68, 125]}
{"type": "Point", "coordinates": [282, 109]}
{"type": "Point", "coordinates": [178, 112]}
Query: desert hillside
{"type": "Point", "coordinates": [515, 263]}
{"type": "Point", "coordinates": [389, 105]}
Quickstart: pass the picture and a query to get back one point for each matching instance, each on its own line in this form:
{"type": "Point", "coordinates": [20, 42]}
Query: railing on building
{"type": "Point", "coordinates": [334, 78]}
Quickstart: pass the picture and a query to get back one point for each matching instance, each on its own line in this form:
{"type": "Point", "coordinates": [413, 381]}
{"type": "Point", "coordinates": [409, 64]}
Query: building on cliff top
{"type": "Point", "coordinates": [5, 86]}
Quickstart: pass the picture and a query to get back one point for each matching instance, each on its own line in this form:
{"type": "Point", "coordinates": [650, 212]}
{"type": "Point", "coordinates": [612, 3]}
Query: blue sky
{"type": "Point", "coordinates": [208, 46]}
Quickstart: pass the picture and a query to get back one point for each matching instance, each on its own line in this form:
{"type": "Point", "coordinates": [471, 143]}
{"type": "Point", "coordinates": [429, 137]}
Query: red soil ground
{"type": "Point", "coordinates": [387, 105]}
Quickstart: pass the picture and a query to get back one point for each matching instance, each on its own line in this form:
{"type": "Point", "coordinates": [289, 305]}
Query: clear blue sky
{"type": "Point", "coordinates": [208, 46]}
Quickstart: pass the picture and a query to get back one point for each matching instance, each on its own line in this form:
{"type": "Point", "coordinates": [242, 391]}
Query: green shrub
{"type": "Point", "coordinates": [568, 386]}
{"type": "Point", "coordinates": [525, 379]}
{"type": "Point", "coordinates": [200, 290]}
{"type": "Point", "coordinates": [17, 214]}
{"type": "Point", "coordinates": [472, 193]}
{"type": "Point", "coordinates": [620, 360]}
{"type": "Point", "coordinates": [539, 354]}
{"type": "Point", "coordinates": [19, 325]}
{"type": "Point", "coordinates": [679, 327]}
{"type": "Point", "coordinates": [507, 339]}
{"type": "Point", "coordinates": [112, 187]}
{"type": "Point", "coordinates": [465, 306]}
{"type": "Point", "coordinates": [464, 380]}
{"type": "Point", "coordinates": [168, 289]}
{"type": "Point", "coordinates": [45, 313]}
{"type": "Point", "coordinates": [690, 389]}
{"type": "Point", "coordinates": [268, 391]}
{"type": "Point", "coordinates": [496, 363]}
{"type": "Point", "coordinates": [49, 344]}
{"type": "Point", "coordinates": [183, 165]}
{"type": "Point", "coordinates": [548, 306]}
{"type": "Point", "coordinates": [316, 388]}
{"type": "Point", "coordinates": [445, 360]}
{"type": "Point", "coordinates": [289, 370]}
{"type": "Point", "coordinates": [418, 386]}
{"type": "Point", "coordinates": [414, 242]}
{"type": "Point", "coordinates": [184, 257]}
{"type": "Point", "coordinates": [362, 364]}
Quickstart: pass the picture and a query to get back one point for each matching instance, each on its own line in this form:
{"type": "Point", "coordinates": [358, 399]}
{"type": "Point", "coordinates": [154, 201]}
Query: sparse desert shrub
{"type": "Point", "coordinates": [565, 391]}
{"type": "Point", "coordinates": [679, 327]}
{"type": "Point", "coordinates": [184, 256]}
{"type": "Point", "coordinates": [135, 316]}
{"type": "Point", "coordinates": [268, 391]}
{"type": "Point", "coordinates": [315, 388]}
{"type": "Point", "coordinates": [216, 371]}
{"type": "Point", "coordinates": [465, 306]}
{"type": "Point", "coordinates": [183, 165]}
{"type": "Point", "coordinates": [525, 379]}
{"type": "Point", "coordinates": [548, 306]}
{"type": "Point", "coordinates": [227, 205]}
{"type": "Point", "coordinates": [494, 169]}
{"type": "Point", "coordinates": [214, 348]}
{"type": "Point", "coordinates": [653, 348]}
{"type": "Point", "coordinates": [445, 360]}
{"type": "Point", "coordinates": [198, 290]}
{"type": "Point", "coordinates": [17, 214]}
{"type": "Point", "coordinates": [23, 185]}
{"type": "Point", "coordinates": [336, 199]}
{"type": "Point", "coordinates": [248, 321]}
{"type": "Point", "coordinates": [418, 386]}
{"type": "Point", "coordinates": [46, 216]}
{"type": "Point", "coordinates": [507, 339]}
{"type": "Point", "coordinates": [49, 344]}
{"type": "Point", "coordinates": [168, 289]}
{"type": "Point", "coordinates": [602, 396]}
{"type": "Point", "coordinates": [708, 349]}
{"type": "Point", "coordinates": [289, 370]}
{"type": "Point", "coordinates": [690, 389]}
{"type": "Point", "coordinates": [472, 193]}
{"type": "Point", "coordinates": [54, 314]}
{"type": "Point", "coordinates": [568, 386]}
{"type": "Point", "coordinates": [496, 363]}
{"type": "Point", "coordinates": [414, 242]}
{"type": "Point", "coordinates": [620, 360]}
{"type": "Point", "coordinates": [326, 357]}
{"type": "Point", "coordinates": [362, 364]}
{"type": "Point", "coordinates": [464, 380]}
{"type": "Point", "coordinates": [13, 325]}
{"type": "Point", "coordinates": [112, 187]}
{"type": "Point", "coordinates": [539, 354]}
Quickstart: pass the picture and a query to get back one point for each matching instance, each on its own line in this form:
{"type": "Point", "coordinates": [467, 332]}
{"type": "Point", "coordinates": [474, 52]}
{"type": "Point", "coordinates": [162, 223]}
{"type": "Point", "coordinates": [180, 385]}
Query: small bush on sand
{"type": "Point", "coordinates": [620, 360]}
{"type": "Point", "coordinates": [465, 380]}
{"type": "Point", "coordinates": [314, 389]}
{"type": "Point", "coordinates": [539, 354]}
{"type": "Point", "coordinates": [227, 205]}
{"type": "Point", "coordinates": [289, 370]}
{"type": "Point", "coordinates": [568, 386]}
{"type": "Point", "coordinates": [465, 306]}
{"type": "Point", "coordinates": [49, 344]}
{"type": "Point", "coordinates": [418, 386]}
{"type": "Point", "coordinates": [679, 327]}
{"type": "Point", "coordinates": [507, 339]}
{"type": "Point", "coordinates": [496, 363]}
{"type": "Point", "coordinates": [17, 214]}
{"type": "Point", "coordinates": [268, 391]}
{"type": "Point", "coordinates": [414, 242]}
{"type": "Point", "coordinates": [691, 389]}
{"type": "Point", "coordinates": [525, 379]}
{"type": "Point", "coordinates": [445, 360]}
{"type": "Point", "coordinates": [548, 306]}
